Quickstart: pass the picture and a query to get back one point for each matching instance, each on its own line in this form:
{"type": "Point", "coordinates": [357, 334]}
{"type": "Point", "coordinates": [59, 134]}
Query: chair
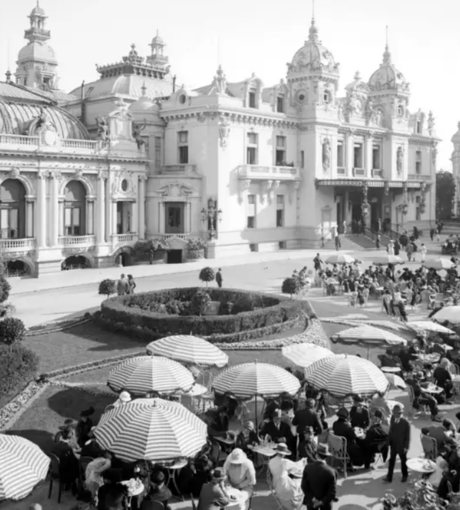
{"type": "Point", "coordinates": [423, 408]}
{"type": "Point", "coordinates": [55, 474]}
{"type": "Point", "coordinates": [338, 447]}
{"type": "Point", "coordinates": [156, 505]}
{"type": "Point", "coordinates": [430, 447]}
{"type": "Point", "coordinates": [272, 490]}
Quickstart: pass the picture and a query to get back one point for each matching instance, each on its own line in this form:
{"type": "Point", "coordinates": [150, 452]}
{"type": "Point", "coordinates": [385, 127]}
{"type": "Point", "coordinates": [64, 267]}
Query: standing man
{"type": "Point", "coordinates": [344, 226]}
{"type": "Point", "coordinates": [422, 253]}
{"type": "Point", "coordinates": [338, 244]}
{"type": "Point", "coordinates": [398, 441]}
{"type": "Point", "coordinates": [219, 278]}
{"type": "Point", "coordinates": [409, 251]}
{"type": "Point", "coordinates": [122, 286]}
{"type": "Point", "coordinates": [319, 482]}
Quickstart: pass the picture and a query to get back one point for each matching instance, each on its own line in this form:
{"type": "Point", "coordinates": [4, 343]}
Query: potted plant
{"type": "Point", "coordinates": [195, 248]}
{"type": "Point", "coordinates": [152, 250]}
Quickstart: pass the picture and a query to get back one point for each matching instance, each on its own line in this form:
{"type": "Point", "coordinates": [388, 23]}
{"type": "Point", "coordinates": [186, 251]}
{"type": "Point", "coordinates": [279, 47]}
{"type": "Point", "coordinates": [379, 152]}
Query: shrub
{"type": "Point", "coordinates": [18, 366]}
{"type": "Point", "coordinates": [12, 330]}
{"type": "Point", "coordinates": [5, 288]}
{"type": "Point", "coordinates": [200, 302]}
{"type": "Point", "coordinates": [196, 244]}
{"type": "Point", "coordinates": [107, 287]}
{"type": "Point", "coordinates": [207, 275]}
{"type": "Point", "coordinates": [289, 286]}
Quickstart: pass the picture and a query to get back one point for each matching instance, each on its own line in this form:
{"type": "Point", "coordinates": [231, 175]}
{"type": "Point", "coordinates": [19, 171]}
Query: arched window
{"type": "Point", "coordinates": [12, 209]}
{"type": "Point", "coordinates": [74, 209]}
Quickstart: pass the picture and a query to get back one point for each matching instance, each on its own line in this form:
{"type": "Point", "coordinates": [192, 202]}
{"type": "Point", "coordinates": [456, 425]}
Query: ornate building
{"type": "Point", "coordinates": [244, 166]}
{"type": "Point", "coordinates": [456, 171]}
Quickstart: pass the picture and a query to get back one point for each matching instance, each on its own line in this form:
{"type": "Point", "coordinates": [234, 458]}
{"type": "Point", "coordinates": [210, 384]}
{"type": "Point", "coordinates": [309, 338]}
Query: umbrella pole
{"type": "Point", "coordinates": [368, 347]}
{"type": "Point", "coordinates": [255, 406]}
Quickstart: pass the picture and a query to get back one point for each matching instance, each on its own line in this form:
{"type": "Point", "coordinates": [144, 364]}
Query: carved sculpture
{"type": "Point", "coordinates": [103, 131]}
{"type": "Point", "coordinates": [224, 130]}
{"type": "Point", "coordinates": [326, 154]}
{"type": "Point", "coordinates": [430, 123]}
{"type": "Point", "coordinates": [399, 160]}
{"type": "Point", "coordinates": [137, 130]}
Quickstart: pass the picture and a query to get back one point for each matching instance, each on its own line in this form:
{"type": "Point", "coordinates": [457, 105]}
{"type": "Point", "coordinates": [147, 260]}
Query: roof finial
{"type": "Point", "coordinates": [386, 54]}
{"type": "Point", "coordinates": [144, 89]}
{"type": "Point", "coordinates": [38, 3]}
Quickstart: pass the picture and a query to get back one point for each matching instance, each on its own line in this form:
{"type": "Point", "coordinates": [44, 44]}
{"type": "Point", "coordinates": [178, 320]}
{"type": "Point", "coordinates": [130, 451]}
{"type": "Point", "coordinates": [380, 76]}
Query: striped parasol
{"type": "Point", "coordinates": [188, 349]}
{"type": "Point", "coordinates": [385, 259]}
{"type": "Point", "coordinates": [396, 381]}
{"type": "Point", "coordinates": [22, 466]}
{"type": "Point", "coordinates": [340, 258]}
{"type": "Point", "coordinates": [342, 376]}
{"type": "Point", "coordinates": [438, 264]}
{"type": "Point", "coordinates": [146, 374]}
{"type": "Point", "coordinates": [448, 313]}
{"type": "Point", "coordinates": [430, 326]}
{"type": "Point", "coordinates": [303, 355]}
{"type": "Point", "coordinates": [367, 336]}
{"type": "Point", "coordinates": [251, 379]}
{"type": "Point", "coordinates": [151, 429]}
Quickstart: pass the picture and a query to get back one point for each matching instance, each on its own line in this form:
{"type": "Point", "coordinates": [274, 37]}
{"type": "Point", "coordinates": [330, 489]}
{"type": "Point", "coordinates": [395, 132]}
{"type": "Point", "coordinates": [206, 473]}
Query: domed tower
{"type": "Point", "coordinates": [313, 77]}
{"type": "Point", "coordinates": [390, 92]}
{"type": "Point", "coordinates": [37, 62]}
{"type": "Point", "coordinates": [157, 57]}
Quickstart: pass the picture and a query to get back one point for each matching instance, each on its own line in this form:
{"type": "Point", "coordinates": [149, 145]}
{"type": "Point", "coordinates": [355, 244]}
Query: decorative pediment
{"type": "Point", "coordinates": [176, 242]}
{"type": "Point", "coordinates": [124, 186]}
{"type": "Point", "coordinates": [176, 190]}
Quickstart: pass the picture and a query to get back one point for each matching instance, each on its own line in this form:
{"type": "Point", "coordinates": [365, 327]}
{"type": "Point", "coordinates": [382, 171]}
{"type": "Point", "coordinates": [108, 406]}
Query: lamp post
{"type": "Point", "coordinates": [212, 215]}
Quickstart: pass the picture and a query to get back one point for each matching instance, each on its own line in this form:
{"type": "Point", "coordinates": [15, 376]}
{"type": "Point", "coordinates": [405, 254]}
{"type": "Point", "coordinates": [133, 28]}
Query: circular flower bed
{"type": "Point", "coordinates": [242, 315]}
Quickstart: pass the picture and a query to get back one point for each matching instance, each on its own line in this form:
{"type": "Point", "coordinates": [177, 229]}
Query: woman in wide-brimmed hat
{"type": "Point", "coordinates": [241, 475]}
{"type": "Point", "coordinates": [287, 489]}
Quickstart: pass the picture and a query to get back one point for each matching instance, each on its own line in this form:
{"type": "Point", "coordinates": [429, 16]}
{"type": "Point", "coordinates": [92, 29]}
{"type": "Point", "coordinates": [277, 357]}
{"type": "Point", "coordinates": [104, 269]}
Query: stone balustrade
{"type": "Point", "coordinates": [13, 245]}
{"type": "Point", "coordinates": [83, 241]}
{"type": "Point", "coordinates": [257, 172]}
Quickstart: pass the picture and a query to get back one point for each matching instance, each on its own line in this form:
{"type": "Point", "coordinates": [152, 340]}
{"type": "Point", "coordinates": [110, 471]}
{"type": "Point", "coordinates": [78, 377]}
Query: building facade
{"type": "Point", "coordinates": [243, 166]}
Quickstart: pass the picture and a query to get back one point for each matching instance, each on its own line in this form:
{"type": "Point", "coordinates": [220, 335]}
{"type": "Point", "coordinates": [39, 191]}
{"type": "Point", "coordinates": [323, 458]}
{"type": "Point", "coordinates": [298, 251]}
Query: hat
{"type": "Point", "coordinates": [308, 430]}
{"type": "Point", "coordinates": [237, 456]}
{"type": "Point", "coordinates": [249, 425]}
{"type": "Point", "coordinates": [68, 425]}
{"type": "Point", "coordinates": [87, 412]}
{"type": "Point", "coordinates": [444, 362]}
{"type": "Point", "coordinates": [397, 409]}
{"type": "Point", "coordinates": [378, 414]}
{"type": "Point", "coordinates": [323, 450]}
{"type": "Point", "coordinates": [357, 399]}
{"type": "Point", "coordinates": [125, 396]}
{"type": "Point", "coordinates": [343, 413]}
{"type": "Point", "coordinates": [218, 474]}
{"type": "Point", "coordinates": [282, 449]}
{"type": "Point", "coordinates": [419, 375]}
{"type": "Point", "coordinates": [310, 403]}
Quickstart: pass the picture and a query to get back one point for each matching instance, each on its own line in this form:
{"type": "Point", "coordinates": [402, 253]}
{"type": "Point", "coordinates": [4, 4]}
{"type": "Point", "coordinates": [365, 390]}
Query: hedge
{"type": "Point", "coordinates": [18, 366]}
{"type": "Point", "coordinates": [131, 315]}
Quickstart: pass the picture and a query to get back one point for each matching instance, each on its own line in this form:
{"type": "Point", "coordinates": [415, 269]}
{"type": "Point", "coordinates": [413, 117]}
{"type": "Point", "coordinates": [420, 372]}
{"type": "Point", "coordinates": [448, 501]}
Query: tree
{"type": "Point", "coordinates": [12, 330]}
{"type": "Point", "coordinates": [445, 193]}
{"type": "Point", "coordinates": [5, 288]}
{"type": "Point", "coordinates": [207, 275]}
{"type": "Point", "coordinates": [289, 286]}
{"type": "Point", "coordinates": [107, 287]}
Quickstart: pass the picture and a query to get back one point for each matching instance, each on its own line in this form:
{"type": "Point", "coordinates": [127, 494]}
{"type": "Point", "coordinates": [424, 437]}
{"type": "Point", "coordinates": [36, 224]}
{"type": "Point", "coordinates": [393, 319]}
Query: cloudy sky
{"type": "Point", "coordinates": [256, 36]}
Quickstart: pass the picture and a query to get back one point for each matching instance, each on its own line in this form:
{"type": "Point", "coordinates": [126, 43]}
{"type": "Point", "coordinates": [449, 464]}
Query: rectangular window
{"type": "Point", "coordinates": [157, 152]}
{"type": "Point", "coordinates": [280, 151]}
{"type": "Point", "coordinates": [340, 158]}
{"type": "Point", "coordinates": [251, 156]}
{"type": "Point", "coordinates": [72, 217]}
{"type": "Point", "coordinates": [376, 157]}
{"type": "Point", "coordinates": [358, 156]}
{"type": "Point", "coordinates": [183, 147]}
{"type": "Point", "coordinates": [418, 162]}
{"type": "Point", "coordinates": [302, 159]}
{"type": "Point", "coordinates": [418, 128]}
{"type": "Point", "coordinates": [280, 210]}
{"type": "Point", "coordinates": [252, 99]}
{"type": "Point", "coordinates": [251, 211]}
{"type": "Point", "coordinates": [280, 104]}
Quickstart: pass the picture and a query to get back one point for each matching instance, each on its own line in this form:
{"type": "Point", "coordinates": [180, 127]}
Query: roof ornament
{"type": "Point", "coordinates": [219, 83]}
{"type": "Point", "coordinates": [387, 54]}
{"type": "Point", "coordinates": [144, 89]}
{"type": "Point", "coordinates": [8, 76]}
{"type": "Point", "coordinates": [313, 33]}
{"type": "Point", "coordinates": [357, 76]}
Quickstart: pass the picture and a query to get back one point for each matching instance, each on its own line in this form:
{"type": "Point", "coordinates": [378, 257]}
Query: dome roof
{"type": "Point", "coordinates": [357, 84]}
{"type": "Point", "coordinates": [37, 11]}
{"type": "Point", "coordinates": [158, 40]}
{"type": "Point", "coordinates": [38, 51]}
{"type": "Point", "coordinates": [144, 104]}
{"type": "Point", "coordinates": [313, 55]}
{"type": "Point", "coordinates": [387, 77]}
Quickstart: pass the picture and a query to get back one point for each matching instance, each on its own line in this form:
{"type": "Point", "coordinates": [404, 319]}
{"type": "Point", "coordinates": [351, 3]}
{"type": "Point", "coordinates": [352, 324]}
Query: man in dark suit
{"type": "Point", "coordinates": [307, 417]}
{"type": "Point", "coordinates": [398, 441]}
{"type": "Point", "coordinates": [279, 431]}
{"type": "Point", "coordinates": [213, 495]}
{"type": "Point", "coordinates": [319, 482]}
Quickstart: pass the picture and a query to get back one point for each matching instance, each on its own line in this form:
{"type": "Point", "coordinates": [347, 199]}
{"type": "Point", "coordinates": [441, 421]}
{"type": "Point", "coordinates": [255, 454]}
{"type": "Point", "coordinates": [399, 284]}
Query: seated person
{"type": "Point", "coordinates": [91, 448]}
{"type": "Point", "coordinates": [407, 357]}
{"type": "Point", "coordinates": [380, 403]}
{"type": "Point", "coordinates": [241, 475]}
{"type": "Point", "coordinates": [442, 467]}
{"type": "Point", "coordinates": [389, 359]}
{"type": "Point", "coordinates": [359, 415]}
{"type": "Point", "coordinates": [158, 492]}
{"type": "Point", "coordinates": [442, 433]}
{"type": "Point", "coordinates": [94, 474]}
{"type": "Point", "coordinates": [112, 494]}
{"type": "Point", "coordinates": [343, 428]}
{"type": "Point", "coordinates": [213, 494]}
{"type": "Point", "coordinates": [308, 447]}
{"type": "Point", "coordinates": [84, 426]}
{"type": "Point", "coordinates": [422, 397]}
{"type": "Point", "coordinates": [68, 462]}
{"type": "Point", "coordinates": [247, 437]}
{"type": "Point", "coordinates": [287, 488]}
{"type": "Point", "coordinates": [279, 431]}
{"type": "Point", "coordinates": [376, 439]}
{"type": "Point", "coordinates": [195, 474]}
{"type": "Point", "coordinates": [443, 377]}
{"type": "Point", "coordinates": [218, 427]}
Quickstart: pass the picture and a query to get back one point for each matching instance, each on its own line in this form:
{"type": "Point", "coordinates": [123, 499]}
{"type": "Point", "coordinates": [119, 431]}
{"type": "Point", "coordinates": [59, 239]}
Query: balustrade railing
{"type": "Point", "coordinates": [19, 139]}
{"type": "Point", "coordinates": [419, 177]}
{"type": "Point", "coordinates": [17, 244]}
{"type": "Point", "coordinates": [180, 236]}
{"type": "Point", "coordinates": [35, 141]}
{"type": "Point", "coordinates": [79, 144]}
{"type": "Point", "coordinates": [89, 240]}
{"type": "Point", "coordinates": [124, 238]}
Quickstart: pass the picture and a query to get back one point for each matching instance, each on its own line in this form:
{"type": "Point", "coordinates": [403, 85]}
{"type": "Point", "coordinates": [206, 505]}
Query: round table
{"type": "Point", "coordinates": [174, 470]}
{"type": "Point", "coordinates": [235, 495]}
{"type": "Point", "coordinates": [432, 389]}
{"type": "Point", "coordinates": [430, 358]}
{"type": "Point", "coordinates": [264, 450]}
{"type": "Point", "coordinates": [422, 466]}
{"type": "Point", "coordinates": [135, 487]}
{"type": "Point", "coordinates": [359, 432]}
{"type": "Point", "coordinates": [391, 370]}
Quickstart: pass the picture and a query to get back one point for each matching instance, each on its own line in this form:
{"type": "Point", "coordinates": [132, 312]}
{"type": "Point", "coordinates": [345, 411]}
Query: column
{"type": "Point", "coordinates": [161, 217]}
{"type": "Point", "coordinates": [350, 153]}
{"type": "Point", "coordinates": [368, 163]}
{"type": "Point", "coordinates": [100, 229]}
{"type": "Point", "coordinates": [55, 210]}
{"type": "Point", "coordinates": [41, 216]}
{"type": "Point", "coordinates": [141, 199]}
{"type": "Point", "coordinates": [61, 217]}
{"type": "Point", "coordinates": [108, 213]}
{"type": "Point", "coordinates": [29, 218]}
{"type": "Point", "coordinates": [90, 216]}
{"type": "Point", "coordinates": [134, 217]}
{"type": "Point", "coordinates": [113, 230]}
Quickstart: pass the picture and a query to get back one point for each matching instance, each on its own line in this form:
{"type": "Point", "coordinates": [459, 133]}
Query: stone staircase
{"type": "Point", "coordinates": [352, 242]}
{"type": "Point", "coordinates": [451, 227]}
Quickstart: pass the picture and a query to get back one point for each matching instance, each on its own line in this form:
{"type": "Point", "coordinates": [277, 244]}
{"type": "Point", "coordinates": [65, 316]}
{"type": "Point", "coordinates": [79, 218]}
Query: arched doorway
{"type": "Point", "coordinates": [74, 209]}
{"type": "Point", "coordinates": [12, 209]}
{"type": "Point", "coordinates": [124, 256]}
{"type": "Point", "coordinates": [16, 268]}
{"type": "Point", "coordinates": [75, 262]}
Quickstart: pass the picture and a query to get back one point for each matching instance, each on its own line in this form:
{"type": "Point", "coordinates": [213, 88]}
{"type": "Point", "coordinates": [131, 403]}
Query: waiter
{"type": "Point", "coordinates": [319, 482]}
{"type": "Point", "coordinates": [398, 441]}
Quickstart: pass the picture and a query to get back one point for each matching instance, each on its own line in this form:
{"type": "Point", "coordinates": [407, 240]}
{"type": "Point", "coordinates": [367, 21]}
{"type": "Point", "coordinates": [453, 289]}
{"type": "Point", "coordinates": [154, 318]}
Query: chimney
{"type": "Point", "coordinates": [83, 106]}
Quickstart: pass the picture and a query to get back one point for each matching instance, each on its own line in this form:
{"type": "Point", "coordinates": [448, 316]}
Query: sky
{"type": "Point", "coordinates": [256, 36]}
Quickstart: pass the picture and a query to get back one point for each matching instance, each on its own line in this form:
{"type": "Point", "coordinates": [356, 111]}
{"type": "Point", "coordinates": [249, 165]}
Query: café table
{"type": "Point", "coordinates": [135, 488]}
{"type": "Point", "coordinates": [236, 497]}
{"type": "Point", "coordinates": [391, 370]}
{"type": "Point", "coordinates": [422, 466]}
{"type": "Point", "coordinates": [173, 471]}
{"type": "Point", "coordinates": [429, 358]}
{"type": "Point", "coordinates": [265, 451]}
{"type": "Point", "coordinates": [432, 389]}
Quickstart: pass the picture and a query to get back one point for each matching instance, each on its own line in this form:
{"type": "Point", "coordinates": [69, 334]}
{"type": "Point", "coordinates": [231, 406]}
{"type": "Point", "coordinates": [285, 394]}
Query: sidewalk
{"type": "Point", "coordinates": [77, 277]}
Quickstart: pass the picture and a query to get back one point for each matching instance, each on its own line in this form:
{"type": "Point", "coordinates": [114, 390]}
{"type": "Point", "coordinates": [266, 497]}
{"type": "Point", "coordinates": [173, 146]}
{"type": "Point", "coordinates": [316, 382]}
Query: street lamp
{"type": "Point", "coordinates": [212, 215]}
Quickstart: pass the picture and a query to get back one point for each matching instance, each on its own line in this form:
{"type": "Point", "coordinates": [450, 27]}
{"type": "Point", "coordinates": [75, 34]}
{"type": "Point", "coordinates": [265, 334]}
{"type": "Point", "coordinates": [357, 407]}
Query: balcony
{"type": "Point", "coordinates": [17, 246]}
{"type": "Point", "coordinates": [377, 172]}
{"type": "Point", "coordinates": [36, 144]}
{"type": "Point", "coordinates": [359, 172]}
{"type": "Point", "coordinates": [419, 177]}
{"type": "Point", "coordinates": [124, 238]}
{"type": "Point", "coordinates": [277, 173]}
{"type": "Point", "coordinates": [178, 170]}
{"type": "Point", "coordinates": [77, 241]}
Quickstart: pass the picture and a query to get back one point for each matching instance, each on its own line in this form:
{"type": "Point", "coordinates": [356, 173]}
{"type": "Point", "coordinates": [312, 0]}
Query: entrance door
{"type": "Point", "coordinates": [174, 257]}
{"type": "Point", "coordinates": [339, 216]}
{"type": "Point", "coordinates": [174, 218]}
{"type": "Point", "coordinates": [375, 215]}
{"type": "Point", "coordinates": [356, 212]}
